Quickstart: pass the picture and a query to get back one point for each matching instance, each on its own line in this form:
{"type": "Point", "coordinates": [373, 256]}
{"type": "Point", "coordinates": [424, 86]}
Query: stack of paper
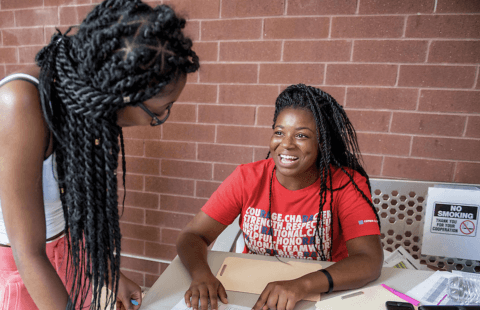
{"type": "Point", "coordinates": [400, 258]}
{"type": "Point", "coordinates": [433, 291]}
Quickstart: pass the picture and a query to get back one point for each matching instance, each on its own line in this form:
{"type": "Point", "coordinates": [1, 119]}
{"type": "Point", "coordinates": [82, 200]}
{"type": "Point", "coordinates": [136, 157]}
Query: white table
{"type": "Point", "coordinates": [170, 288]}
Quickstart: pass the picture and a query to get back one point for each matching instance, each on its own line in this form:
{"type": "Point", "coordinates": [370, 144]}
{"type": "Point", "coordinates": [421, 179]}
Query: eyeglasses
{"type": "Point", "coordinates": [155, 120]}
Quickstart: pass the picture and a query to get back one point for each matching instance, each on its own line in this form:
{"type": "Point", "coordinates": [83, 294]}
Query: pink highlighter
{"type": "Point", "coordinates": [402, 296]}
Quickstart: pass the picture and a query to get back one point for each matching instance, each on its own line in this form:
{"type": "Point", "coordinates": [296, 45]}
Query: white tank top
{"type": "Point", "coordinates": [51, 194]}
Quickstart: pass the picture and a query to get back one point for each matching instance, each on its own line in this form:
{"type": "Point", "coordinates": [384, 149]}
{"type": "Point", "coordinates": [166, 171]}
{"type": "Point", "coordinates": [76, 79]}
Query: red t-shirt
{"type": "Point", "coordinates": [294, 213]}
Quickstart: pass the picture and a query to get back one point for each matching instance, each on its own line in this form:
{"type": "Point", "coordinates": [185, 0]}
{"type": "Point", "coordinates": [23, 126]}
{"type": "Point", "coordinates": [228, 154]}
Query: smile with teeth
{"type": "Point", "coordinates": [287, 159]}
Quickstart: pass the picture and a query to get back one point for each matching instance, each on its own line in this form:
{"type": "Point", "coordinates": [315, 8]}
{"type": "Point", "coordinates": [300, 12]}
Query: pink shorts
{"type": "Point", "coordinates": [13, 293]}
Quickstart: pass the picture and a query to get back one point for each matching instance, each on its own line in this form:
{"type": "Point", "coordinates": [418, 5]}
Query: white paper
{"type": "Point", "coordinates": [400, 258]}
{"type": "Point", "coordinates": [181, 305]}
{"type": "Point", "coordinates": [451, 223]}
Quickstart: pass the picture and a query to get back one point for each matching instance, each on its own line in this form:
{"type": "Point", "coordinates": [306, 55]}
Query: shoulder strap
{"type": "Point", "coordinates": [19, 76]}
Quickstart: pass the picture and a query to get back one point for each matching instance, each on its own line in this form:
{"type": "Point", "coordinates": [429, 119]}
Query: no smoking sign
{"type": "Point", "coordinates": [454, 219]}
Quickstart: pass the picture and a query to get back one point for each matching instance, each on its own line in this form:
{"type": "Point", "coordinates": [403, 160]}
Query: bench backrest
{"type": "Point", "coordinates": [401, 207]}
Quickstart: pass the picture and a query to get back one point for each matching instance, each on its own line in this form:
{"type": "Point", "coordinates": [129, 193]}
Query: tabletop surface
{"type": "Point", "coordinates": [170, 288]}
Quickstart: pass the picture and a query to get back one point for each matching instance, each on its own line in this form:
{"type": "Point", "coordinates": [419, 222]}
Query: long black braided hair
{"type": "Point", "coordinates": [123, 53]}
{"type": "Point", "coordinates": [337, 145]}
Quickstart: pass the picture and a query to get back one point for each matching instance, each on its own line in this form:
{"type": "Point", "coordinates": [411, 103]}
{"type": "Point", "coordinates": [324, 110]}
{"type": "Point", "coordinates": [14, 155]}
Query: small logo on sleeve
{"type": "Point", "coordinates": [367, 221]}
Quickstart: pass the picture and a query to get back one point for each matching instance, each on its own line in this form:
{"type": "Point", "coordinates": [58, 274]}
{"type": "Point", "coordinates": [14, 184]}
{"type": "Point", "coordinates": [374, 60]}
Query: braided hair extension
{"type": "Point", "coordinates": [123, 53]}
{"type": "Point", "coordinates": [338, 147]}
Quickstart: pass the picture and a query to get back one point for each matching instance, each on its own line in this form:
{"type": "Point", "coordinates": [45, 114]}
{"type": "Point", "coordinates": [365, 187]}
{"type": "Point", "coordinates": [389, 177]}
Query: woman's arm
{"type": "Point", "coordinates": [23, 140]}
{"type": "Point", "coordinates": [363, 265]}
{"type": "Point", "coordinates": [192, 249]}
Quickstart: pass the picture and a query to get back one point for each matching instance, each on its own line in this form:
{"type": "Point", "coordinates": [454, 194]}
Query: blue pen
{"type": "Point", "coordinates": [134, 302]}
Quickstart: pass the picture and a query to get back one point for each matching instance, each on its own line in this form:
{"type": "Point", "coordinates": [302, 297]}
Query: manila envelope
{"type": "Point", "coordinates": [367, 298]}
{"type": "Point", "coordinates": [252, 276]}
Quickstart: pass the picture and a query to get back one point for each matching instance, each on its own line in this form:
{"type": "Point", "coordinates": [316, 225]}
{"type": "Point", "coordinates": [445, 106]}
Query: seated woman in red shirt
{"type": "Point", "coordinates": [311, 200]}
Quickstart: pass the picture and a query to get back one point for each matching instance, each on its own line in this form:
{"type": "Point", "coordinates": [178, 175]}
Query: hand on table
{"type": "Point", "coordinates": [281, 295]}
{"type": "Point", "coordinates": [203, 288]}
{"type": "Point", "coordinates": [128, 290]}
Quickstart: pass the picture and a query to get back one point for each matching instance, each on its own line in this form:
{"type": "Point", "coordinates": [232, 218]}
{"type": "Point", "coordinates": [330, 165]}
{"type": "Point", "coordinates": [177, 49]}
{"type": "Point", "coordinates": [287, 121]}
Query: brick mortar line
{"type": "Point", "coordinates": [196, 151]}
{"type": "Point", "coordinates": [417, 64]}
{"type": "Point", "coordinates": [158, 260]}
{"type": "Point", "coordinates": [187, 160]}
{"type": "Point", "coordinates": [381, 164]}
{"type": "Point", "coordinates": [243, 105]}
{"type": "Point", "coordinates": [193, 161]}
{"type": "Point", "coordinates": [345, 98]}
{"type": "Point", "coordinates": [326, 39]}
{"type": "Point", "coordinates": [390, 121]}
{"type": "Point", "coordinates": [330, 22]}
{"type": "Point", "coordinates": [258, 74]}
{"type": "Point", "coordinates": [282, 51]}
{"type": "Point", "coordinates": [368, 86]}
{"type": "Point", "coordinates": [397, 77]}
{"type": "Point", "coordinates": [177, 178]}
{"type": "Point", "coordinates": [427, 53]}
{"type": "Point", "coordinates": [423, 158]}
{"type": "Point", "coordinates": [199, 31]}
{"type": "Point", "coordinates": [476, 78]}
{"type": "Point", "coordinates": [466, 114]}
{"type": "Point", "coordinates": [159, 209]}
{"type": "Point", "coordinates": [335, 85]}
{"type": "Point", "coordinates": [419, 94]}
{"type": "Point", "coordinates": [405, 23]}
{"type": "Point", "coordinates": [411, 147]}
{"type": "Point", "coordinates": [465, 127]}
{"type": "Point", "coordinates": [332, 16]}
{"type": "Point", "coordinates": [352, 50]}
{"type": "Point", "coordinates": [220, 8]}
{"type": "Point", "coordinates": [213, 170]}
{"type": "Point", "coordinates": [419, 135]}
{"type": "Point", "coordinates": [455, 166]}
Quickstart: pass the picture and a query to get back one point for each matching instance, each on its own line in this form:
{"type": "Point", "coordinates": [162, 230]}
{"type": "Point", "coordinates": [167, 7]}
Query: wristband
{"type": "Point", "coordinates": [329, 278]}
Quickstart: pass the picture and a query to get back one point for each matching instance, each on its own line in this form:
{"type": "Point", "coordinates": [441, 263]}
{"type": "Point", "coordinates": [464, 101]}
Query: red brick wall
{"type": "Point", "coordinates": [407, 73]}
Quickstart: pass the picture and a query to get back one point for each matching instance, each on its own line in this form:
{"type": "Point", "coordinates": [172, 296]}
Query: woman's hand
{"type": "Point", "coordinates": [281, 295]}
{"type": "Point", "coordinates": [205, 287]}
{"type": "Point", "coordinates": [128, 290]}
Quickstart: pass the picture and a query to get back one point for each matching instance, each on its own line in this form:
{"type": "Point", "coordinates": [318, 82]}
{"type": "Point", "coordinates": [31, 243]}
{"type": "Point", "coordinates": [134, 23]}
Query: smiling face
{"type": "Point", "coordinates": [159, 105]}
{"type": "Point", "coordinates": [294, 148]}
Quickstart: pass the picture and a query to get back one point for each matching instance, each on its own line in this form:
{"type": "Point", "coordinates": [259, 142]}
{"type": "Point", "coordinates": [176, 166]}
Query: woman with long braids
{"type": "Point", "coordinates": [311, 200]}
{"type": "Point", "coordinates": [60, 124]}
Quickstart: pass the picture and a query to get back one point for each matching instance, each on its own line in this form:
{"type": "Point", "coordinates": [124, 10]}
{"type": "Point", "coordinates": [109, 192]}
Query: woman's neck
{"type": "Point", "coordinates": [294, 183]}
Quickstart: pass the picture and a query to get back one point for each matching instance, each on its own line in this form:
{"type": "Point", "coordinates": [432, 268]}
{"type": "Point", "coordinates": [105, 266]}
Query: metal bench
{"type": "Point", "coordinates": [401, 207]}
